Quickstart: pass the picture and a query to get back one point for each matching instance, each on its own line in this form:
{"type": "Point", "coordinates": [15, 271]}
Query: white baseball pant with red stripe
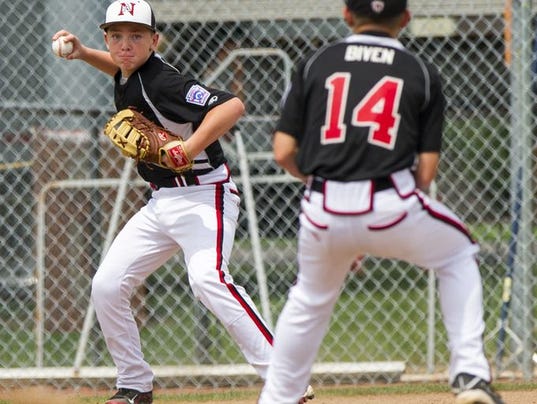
{"type": "Point", "coordinates": [348, 220]}
{"type": "Point", "coordinates": [201, 220]}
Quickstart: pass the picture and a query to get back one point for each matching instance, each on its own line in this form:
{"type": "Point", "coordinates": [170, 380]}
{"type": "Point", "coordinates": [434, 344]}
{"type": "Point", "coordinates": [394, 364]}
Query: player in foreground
{"type": "Point", "coordinates": [362, 125]}
{"type": "Point", "coordinates": [194, 210]}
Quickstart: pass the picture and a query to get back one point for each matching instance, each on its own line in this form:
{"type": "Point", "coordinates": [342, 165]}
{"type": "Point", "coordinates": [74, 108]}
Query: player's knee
{"type": "Point", "coordinates": [103, 288]}
{"type": "Point", "coordinates": [198, 284]}
{"type": "Point", "coordinates": [314, 301]}
{"type": "Point", "coordinates": [207, 281]}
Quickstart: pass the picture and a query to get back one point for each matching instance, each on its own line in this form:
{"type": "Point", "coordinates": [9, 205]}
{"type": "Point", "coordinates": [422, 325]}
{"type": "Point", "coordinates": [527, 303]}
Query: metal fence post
{"type": "Point", "coordinates": [521, 141]}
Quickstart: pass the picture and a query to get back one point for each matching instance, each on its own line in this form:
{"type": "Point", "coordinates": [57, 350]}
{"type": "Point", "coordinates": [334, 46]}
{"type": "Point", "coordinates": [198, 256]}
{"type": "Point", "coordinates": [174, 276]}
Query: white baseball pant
{"type": "Point", "coordinates": [201, 220]}
{"type": "Point", "coordinates": [402, 224]}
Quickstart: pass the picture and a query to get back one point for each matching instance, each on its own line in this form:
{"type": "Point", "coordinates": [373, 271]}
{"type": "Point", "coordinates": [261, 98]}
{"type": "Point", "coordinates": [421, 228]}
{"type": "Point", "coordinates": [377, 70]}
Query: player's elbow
{"type": "Point", "coordinates": [283, 159]}
{"type": "Point", "coordinates": [284, 156]}
{"type": "Point", "coordinates": [236, 107]}
{"type": "Point", "coordinates": [284, 148]}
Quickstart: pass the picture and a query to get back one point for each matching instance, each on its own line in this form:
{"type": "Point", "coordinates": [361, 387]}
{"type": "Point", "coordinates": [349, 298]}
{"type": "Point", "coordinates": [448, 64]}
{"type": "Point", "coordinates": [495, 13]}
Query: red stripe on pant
{"type": "Point", "coordinates": [219, 205]}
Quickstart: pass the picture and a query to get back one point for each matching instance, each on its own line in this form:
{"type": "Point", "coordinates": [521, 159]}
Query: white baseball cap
{"type": "Point", "coordinates": [136, 11]}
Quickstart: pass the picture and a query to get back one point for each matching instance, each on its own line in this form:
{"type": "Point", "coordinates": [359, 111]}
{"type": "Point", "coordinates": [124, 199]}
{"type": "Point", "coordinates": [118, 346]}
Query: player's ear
{"type": "Point", "coordinates": [406, 18]}
{"type": "Point", "coordinates": [106, 40]}
{"type": "Point", "coordinates": [347, 16]}
{"type": "Point", "coordinates": [154, 43]}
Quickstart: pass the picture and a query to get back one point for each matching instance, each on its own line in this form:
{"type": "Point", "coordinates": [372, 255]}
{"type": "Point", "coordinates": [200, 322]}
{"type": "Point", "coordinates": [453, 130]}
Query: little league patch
{"type": "Point", "coordinates": [197, 95]}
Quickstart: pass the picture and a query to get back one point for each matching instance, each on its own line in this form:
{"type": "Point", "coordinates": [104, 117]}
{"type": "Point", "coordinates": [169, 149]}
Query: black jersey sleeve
{"type": "Point", "coordinates": [432, 115]}
{"type": "Point", "coordinates": [184, 99]}
{"type": "Point", "coordinates": [293, 102]}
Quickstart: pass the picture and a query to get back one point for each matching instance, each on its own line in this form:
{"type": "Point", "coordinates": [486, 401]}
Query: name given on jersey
{"type": "Point", "coordinates": [374, 54]}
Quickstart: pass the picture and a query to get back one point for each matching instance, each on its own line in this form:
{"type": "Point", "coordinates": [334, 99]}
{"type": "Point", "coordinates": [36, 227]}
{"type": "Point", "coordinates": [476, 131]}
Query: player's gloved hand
{"type": "Point", "coordinates": [141, 139]}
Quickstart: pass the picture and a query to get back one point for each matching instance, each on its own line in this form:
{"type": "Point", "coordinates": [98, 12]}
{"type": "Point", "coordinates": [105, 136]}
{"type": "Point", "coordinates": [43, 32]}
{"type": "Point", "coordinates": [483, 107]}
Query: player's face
{"type": "Point", "coordinates": [130, 45]}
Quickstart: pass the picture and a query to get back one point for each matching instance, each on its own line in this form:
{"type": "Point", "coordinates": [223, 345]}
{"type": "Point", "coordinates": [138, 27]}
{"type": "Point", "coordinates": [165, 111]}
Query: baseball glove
{"type": "Point", "coordinates": [141, 139]}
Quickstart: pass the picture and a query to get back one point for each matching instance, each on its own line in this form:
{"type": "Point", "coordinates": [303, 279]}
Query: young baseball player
{"type": "Point", "coordinates": [361, 125]}
{"type": "Point", "coordinates": [195, 211]}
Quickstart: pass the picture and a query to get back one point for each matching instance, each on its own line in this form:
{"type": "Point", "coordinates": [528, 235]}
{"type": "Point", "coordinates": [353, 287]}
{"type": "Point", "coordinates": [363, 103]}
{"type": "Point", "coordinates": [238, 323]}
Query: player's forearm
{"type": "Point", "coordinates": [291, 167]}
{"type": "Point", "coordinates": [285, 150]}
{"type": "Point", "coordinates": [216, 123]}
{"type": "Point", "coordinates": [99, 59]}
{"type": "Point", "coordinates": [426, 169]}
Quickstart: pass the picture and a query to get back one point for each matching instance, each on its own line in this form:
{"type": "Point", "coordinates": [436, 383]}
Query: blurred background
{"type": "Point", "coordinates": [65, 190]}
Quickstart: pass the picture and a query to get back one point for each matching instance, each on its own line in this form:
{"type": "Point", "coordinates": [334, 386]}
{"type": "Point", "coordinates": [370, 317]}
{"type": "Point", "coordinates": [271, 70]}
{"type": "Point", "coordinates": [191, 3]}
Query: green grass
{"type": "Point", "coordinates": [234, 394]}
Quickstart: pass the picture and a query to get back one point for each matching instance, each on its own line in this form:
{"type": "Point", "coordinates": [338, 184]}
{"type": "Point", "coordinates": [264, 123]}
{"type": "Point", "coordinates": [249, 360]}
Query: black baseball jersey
{"type": "Point", "coordinates": [175, 101]}
{"type": "Point", "coordinates": [362, 108]}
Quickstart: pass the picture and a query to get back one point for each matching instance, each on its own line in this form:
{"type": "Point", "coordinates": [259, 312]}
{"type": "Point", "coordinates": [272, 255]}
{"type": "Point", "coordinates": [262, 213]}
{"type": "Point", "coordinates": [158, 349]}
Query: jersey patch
{"type": "Point", "coordinates": [197, 95]}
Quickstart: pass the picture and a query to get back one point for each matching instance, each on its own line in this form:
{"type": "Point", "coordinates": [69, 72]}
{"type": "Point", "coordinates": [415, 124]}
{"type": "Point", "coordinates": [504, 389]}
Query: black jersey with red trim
{"type": "Point", "coordinates": [175, 101]}
{"type": "Point", "coordinates": [362, 108]}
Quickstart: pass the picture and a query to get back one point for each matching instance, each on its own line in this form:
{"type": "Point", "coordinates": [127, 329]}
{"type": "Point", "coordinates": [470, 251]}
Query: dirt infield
{"type": "Point", "coordinates": [512, 397]}
{"type": "Point", "coordinates": [325, 395]}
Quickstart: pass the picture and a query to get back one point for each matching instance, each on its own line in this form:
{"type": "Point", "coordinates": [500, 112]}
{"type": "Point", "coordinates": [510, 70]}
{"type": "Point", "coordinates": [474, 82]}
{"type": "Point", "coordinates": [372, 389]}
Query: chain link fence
{"type": "Point", "coordinates": [66, 191]}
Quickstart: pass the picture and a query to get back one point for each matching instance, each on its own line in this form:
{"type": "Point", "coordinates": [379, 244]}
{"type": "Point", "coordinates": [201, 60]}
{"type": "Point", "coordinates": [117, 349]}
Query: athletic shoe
{"type": "Point", "coordinates": [308, 395]}
{"type": "Point", "coordinates": [129, 396]}
{"type": "Point", "coordinates": [471, 389]}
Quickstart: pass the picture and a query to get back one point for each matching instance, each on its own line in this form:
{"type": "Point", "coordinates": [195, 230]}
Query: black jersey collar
{"type": "Point", "coordinates": [374, 33]}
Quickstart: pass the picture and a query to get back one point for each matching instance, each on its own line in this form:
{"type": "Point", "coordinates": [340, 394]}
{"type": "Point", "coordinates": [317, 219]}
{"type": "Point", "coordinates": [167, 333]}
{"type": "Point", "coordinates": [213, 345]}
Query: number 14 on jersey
{"type": "Point", "coordinates": [378, 110]}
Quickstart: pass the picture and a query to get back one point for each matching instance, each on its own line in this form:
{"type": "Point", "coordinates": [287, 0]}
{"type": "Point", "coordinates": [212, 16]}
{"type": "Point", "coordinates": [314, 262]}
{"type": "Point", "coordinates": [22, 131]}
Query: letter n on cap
{"type": "Point", "coordinates": [127, 8]}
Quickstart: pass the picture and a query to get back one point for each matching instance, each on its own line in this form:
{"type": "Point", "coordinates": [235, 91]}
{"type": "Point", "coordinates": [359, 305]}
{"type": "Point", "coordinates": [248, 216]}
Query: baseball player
{"type": "Point", "coordinates": [195, 211]}
{"type": "Point", "coordinates": [361, 125]}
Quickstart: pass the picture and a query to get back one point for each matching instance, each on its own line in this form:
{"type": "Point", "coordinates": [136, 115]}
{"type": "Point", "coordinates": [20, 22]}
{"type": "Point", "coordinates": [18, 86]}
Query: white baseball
{"type": "Point", "coordinates": [62, 48]}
